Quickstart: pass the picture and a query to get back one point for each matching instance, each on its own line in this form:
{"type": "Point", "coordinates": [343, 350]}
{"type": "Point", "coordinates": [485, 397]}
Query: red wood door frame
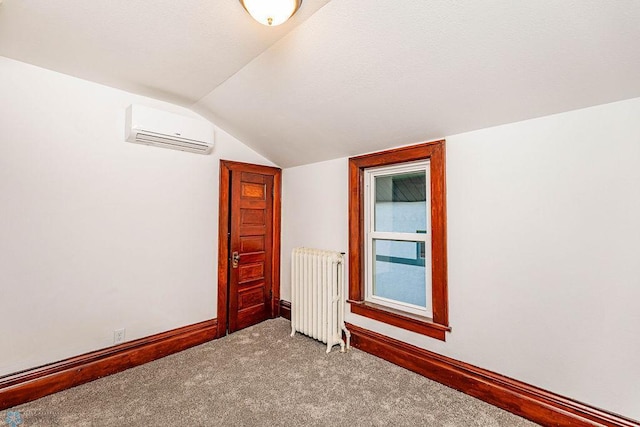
{"type": "Point", "coordinates": [227, 167]}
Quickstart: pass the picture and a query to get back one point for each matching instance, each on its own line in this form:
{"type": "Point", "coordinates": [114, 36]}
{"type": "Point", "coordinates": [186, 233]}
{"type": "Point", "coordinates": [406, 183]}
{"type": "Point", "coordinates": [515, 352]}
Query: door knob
{"type": "Point", "coordinates": [235, 258]}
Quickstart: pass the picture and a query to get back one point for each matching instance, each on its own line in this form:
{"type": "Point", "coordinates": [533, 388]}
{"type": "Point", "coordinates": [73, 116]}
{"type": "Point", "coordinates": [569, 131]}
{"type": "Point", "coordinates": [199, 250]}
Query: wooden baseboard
{"type": "Point", "coordinates": [522, 399]}
{"type": "Point", "coordinates": [39, 382]}
{"type": "Point", "coordinates": [285, 309]}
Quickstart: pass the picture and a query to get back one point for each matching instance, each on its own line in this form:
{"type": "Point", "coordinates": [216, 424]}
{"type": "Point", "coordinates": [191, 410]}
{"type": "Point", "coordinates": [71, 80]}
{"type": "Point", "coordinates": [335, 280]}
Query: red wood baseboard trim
{"type": "Point", "coordinates": [522, 399]}
{"type": "Point", "coordinates": [285, 309]}
{"type": "Point", "coordinates": [39, 382]}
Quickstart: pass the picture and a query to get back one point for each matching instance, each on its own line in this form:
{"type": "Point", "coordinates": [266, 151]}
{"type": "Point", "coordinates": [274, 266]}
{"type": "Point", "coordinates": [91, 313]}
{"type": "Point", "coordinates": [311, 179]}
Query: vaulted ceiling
{"type": "Point", "coordinates": [342, 77]}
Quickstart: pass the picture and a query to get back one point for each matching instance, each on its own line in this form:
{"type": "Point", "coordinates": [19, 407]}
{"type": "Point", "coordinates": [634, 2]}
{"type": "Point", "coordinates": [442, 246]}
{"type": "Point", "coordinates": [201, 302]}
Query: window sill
{"type": "Point", "coordinates": [418, 324]}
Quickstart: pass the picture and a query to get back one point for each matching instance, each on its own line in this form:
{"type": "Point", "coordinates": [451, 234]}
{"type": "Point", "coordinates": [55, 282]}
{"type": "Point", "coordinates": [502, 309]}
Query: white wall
{"type": "Point", "coordinates": [315, 204]}
{"type": "Point", "coordinates": [97, 234]}
{"type": "Point", "coordinates": [544, 240]}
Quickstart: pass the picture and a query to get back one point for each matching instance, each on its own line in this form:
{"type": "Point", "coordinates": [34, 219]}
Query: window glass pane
{"type": "Point", "coordinates": [400, 204]}
{"type": "Point", "coordinates": [399, 272]}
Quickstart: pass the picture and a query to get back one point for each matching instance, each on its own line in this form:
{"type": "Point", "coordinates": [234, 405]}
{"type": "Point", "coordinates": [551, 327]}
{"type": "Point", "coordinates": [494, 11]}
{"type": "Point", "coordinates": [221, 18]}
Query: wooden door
{"type": "Point", "coordinates": [252, 253]}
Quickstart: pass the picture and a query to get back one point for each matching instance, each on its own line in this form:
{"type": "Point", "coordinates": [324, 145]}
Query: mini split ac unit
{"type": "Point", "coordinates": [149, 126]}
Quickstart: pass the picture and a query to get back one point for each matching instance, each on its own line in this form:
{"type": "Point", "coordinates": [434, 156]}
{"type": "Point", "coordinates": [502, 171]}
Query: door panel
{"type": "Point", "coordinates": [252, 243]}
{"type": "Point", "coordinates": [251, 236]}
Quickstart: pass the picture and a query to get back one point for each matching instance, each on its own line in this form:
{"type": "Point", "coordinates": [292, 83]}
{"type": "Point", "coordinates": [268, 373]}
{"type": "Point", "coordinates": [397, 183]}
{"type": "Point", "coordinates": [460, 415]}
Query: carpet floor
{"type": "Point", "coordinates": [261, 376]}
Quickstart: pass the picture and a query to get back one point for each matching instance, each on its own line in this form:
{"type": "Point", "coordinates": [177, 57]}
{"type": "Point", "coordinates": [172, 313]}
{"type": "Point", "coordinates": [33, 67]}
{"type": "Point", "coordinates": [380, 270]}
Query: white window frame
{"type": "Point", "coordinates": [370, 175]}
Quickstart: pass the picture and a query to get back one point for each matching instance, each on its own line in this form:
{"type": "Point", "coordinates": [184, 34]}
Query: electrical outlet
{"type": "Point", "coordinates": [118, 336]}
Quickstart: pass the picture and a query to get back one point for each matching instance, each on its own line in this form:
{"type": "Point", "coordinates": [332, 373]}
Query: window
{"type": "Point", "coordinates": [398, 238]}
{"type": "Point", "coordinates": [396, 220]}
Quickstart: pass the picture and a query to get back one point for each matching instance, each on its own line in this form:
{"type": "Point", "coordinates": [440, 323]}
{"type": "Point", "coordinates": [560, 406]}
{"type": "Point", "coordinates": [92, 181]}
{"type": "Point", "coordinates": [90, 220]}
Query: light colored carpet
{"type": "Point", "coordinates": [260, 376]}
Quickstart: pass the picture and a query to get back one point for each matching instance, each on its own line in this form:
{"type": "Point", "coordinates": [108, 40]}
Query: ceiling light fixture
{"type": "Point", "coordinates": [271, 12]}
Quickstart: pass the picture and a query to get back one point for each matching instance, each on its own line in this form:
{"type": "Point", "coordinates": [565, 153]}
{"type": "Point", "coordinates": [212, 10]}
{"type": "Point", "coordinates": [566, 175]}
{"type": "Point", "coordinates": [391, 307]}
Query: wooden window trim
{"type": "Point", "coordinates": [434, 151]}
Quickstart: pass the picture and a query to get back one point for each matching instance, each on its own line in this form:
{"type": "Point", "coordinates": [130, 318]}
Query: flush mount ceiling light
{"type": "Point", "coordinates": [271, 12]}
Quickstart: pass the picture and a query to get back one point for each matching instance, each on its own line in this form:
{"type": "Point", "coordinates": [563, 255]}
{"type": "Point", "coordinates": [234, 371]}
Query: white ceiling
{"type": "Point", "coordinates": [177, 51]}
{"type": "Point", "coordinates": [347, 78]}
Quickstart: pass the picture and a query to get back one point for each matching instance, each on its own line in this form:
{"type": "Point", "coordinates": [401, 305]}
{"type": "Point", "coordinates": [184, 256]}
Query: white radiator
{"type": "Point", "coordinates": [317, 302]}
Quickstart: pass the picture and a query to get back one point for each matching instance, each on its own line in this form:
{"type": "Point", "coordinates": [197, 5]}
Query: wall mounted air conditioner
{"type": "Point", "coordinates": [149, 126]}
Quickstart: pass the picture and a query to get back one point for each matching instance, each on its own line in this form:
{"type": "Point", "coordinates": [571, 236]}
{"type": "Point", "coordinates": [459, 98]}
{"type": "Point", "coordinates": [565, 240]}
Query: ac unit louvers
{"type": "Point", "coordinates": [149, 126]}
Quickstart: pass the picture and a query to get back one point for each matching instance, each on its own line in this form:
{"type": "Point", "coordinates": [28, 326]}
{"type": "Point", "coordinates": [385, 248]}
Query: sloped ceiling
{"type": "Point", "coordinates": [177, 51]}
{"type": "Point", "coordinates": [344, 77]}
